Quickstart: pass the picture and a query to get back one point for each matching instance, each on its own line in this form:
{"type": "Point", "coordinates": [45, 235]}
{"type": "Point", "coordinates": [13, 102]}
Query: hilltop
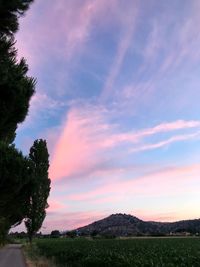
{"type": "Point", "coordinates": [128, 225]}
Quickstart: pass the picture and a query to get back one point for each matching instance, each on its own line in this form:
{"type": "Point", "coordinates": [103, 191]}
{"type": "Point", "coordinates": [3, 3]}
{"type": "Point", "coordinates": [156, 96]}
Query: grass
{"type": "Point", "coordinates": [33, 257]}
{"type": "Point", "coordinates": [159, 252]}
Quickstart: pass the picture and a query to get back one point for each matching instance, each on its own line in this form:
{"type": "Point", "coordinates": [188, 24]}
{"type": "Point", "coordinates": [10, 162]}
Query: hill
{"type": "Point", "coordinates": [128, 225]}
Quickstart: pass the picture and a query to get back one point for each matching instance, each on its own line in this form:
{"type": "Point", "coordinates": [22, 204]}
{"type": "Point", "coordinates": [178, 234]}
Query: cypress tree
{"type": "Point", "coordinates": [16, 89]}
{"type": "Point", "coordinates": [14, 187]}
{"type": "Point", "coordinates": [10, 11]}
{"type": "Point", "coordinates": [40, 187]}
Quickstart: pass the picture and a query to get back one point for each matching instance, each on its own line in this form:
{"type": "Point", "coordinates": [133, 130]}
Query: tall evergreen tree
{"type": "Point", "coordinates": [40, 187]}
{"type": "Point", "coordinates": [16, 89]}
{"type": "Point", "coordinates": [14, 187]}
{"type": "Point", "coordinates": [10, 11]}
{"type": "Point", "coordinates": [24, 182]}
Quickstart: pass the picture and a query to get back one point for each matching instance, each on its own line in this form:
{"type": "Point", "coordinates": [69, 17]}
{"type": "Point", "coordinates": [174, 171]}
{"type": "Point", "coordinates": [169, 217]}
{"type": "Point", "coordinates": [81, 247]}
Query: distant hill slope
{"type": "Point", "coordinates": [128, 225]}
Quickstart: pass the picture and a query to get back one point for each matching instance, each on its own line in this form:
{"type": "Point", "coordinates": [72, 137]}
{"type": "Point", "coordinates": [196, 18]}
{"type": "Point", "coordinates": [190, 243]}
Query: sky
{"type": "Point", "coordinates": [117, 99]}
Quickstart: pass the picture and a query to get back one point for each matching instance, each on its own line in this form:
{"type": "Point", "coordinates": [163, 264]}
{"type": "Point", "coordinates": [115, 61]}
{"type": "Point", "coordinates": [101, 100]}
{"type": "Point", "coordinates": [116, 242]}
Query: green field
{"type": "Point", "coordinates": [132, 252]}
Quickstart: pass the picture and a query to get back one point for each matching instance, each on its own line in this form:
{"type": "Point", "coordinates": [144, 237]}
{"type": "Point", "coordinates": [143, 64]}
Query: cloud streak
{"type": "Point", "coordinates": [72, 220]}
{"type": "Point", "coordinates": [161, 128]}
{"type": "Point", "coordinates": [111, 94]}
{"type": "Point", "coordinates": [123, 46]}
{"type": "Point", "coordinates": [170, 181]}
{"type": "Point", "coordinates": [87, 137]}
{"type": "Point", "coordinates": [167, 142]}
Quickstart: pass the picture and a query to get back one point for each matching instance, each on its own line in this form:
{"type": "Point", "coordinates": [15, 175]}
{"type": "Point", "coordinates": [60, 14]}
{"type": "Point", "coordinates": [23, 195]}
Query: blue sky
{"type": "Point", "coordinates": [117, 99]}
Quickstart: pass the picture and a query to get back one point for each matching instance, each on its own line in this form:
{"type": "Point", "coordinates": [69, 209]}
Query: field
{"type": "Point", "coordinates": [149, 252]}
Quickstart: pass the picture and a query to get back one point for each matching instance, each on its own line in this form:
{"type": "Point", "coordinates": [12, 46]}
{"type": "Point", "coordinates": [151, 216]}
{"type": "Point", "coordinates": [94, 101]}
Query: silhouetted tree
{"type": "Point", "coordinates": [71, 234]}
{"type": "Point", "coordinates": [10, 11]}
{"type": "Point", "coordinates": [16, 89]}
{"type": "Point", "coordinates": [14, 186]}
{"type": "Point", "coordinates": [55, 234]}
{"type": "Point", "coordinates": [40, 187]}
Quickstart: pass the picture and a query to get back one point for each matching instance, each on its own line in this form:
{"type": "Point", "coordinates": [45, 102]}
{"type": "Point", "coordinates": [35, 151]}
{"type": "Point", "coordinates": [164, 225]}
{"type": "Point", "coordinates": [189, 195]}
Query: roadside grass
{"type": "Point", "coordinates": [34, 258]}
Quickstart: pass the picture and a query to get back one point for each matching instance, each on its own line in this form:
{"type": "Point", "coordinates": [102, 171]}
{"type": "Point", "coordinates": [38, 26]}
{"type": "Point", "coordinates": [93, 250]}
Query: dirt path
{"type": "Point", "coordinates": [11, 256]}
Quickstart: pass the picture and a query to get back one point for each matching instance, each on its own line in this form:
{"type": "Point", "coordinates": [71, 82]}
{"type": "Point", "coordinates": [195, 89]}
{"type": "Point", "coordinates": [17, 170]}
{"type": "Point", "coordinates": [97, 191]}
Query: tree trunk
{"type": "Point", "coordinates": [30, 238]}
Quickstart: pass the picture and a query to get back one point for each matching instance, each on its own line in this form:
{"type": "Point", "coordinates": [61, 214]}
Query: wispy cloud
{"type": "Point", "coordinates": [87, 141]}
{"type": "Point", "coordinates": [135, 137]}
{"type": "Point", "coordinates": [78, 144]}
{"type": "Point", "coordinates": [166, 182]}
{"type": "Point", "coordinates": [72, 220]}
{"type": "Point", "coordinates": [74, 22]}
{"type": "Point", "coordinates": [167, 142]}
{"type": "Point", "coordinates": [55, 205]}
{"type": "Point", "coordinates": [184, 40]}
{"type": "Point", "coordinates": [126, 38]}
{"type": "Point", "coordinates": [112, 87]}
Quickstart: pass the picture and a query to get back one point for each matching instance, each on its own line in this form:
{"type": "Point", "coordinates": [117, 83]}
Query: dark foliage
{"type": "Point", "coordinates": [71, 234]}
{"type": "Point", "coordinates": [55, 234]}
{"type": "Point", "coordinates": [40, 187]}
{"type": "Point", "coordinates": [16, 89]}
{"type": "Point", "coordinates": [14, 186]}
{"type": "Point", "coordinates": [10, 10]}
{"type": "Point", "coordinates": [127, 225]}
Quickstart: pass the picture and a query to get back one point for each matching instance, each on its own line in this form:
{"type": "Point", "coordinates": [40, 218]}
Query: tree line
{"type": "Point", "coordinates": [24, 181]}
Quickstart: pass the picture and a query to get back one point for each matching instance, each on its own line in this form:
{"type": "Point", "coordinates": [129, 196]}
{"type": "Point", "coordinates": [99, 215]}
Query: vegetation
{"type": "Point", "coordinates": [55, 234]}
{"type": "Point", "coordinates": [9, 14]}
{"type": "Point", "coordinates": [128, 225]}
{"type": "Point", "coordinates": [140, 252]}
{"type": "Point", "coordinates": [39, 187]}
{"type": "Point", "coordinates": [71, 234]}
{"type": "Point", "coordinates": [15, 181]}
{"type": "Point", "coordinates": [18, 173]}
{"type": "Point", "coordinates": [16, 88]}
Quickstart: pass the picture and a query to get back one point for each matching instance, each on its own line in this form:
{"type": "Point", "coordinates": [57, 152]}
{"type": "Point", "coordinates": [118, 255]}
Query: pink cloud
{"type": "Point", "coordinates": [171, 181]}
{"type": "Point", "coordinates": [67, 220]}
{"type": "Point", "coordinates": [73, 23]}
{"type": "Point", "coordinates": [108, 199]}
{"type": "Point", "coordinates": [77, 148]}
{"type": "Point", "coordinates": [87, 136]}
{"type": "Point", "coordinates": [62, 30]}
{"type": "Point", "coordinates": [72, 220]}
{"type": "Point", "coordinates": [170, 216]}
{"type": "Point", "coordinates": [55, 205]}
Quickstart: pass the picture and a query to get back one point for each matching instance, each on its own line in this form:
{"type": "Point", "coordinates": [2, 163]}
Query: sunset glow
{"type": "Point", "coordinates": [118, 101]}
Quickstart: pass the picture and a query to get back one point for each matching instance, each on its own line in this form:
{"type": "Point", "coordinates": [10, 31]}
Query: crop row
{"type": "Point", "coordinates": [169, 252]}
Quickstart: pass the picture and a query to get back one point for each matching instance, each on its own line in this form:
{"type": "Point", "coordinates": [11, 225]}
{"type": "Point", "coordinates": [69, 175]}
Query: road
{"type": "Point", "coordinates": [11, 256]}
